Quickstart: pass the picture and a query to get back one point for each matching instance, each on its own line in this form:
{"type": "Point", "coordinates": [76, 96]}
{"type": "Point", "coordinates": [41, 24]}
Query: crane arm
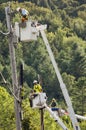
{"type": "Point", "coordinates": [62, 85]}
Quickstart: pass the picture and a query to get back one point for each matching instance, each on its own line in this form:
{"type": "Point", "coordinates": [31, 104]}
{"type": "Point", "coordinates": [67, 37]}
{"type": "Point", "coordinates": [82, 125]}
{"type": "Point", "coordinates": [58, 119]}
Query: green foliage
{"type": "Point", "coordinates": [31, 117]}
{"type": "Point", "coordinates": [66, 20]}
{"type": "Point", "coordinates": [79, 27]}
{"type": "Point", "coordinates": [81, 93]}
{"type": "Point", "coordinates": [7, 118]}
{"type": "Point", "coordinates": [83, 125]}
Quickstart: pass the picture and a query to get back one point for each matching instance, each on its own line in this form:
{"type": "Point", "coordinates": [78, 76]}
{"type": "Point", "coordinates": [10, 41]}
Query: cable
{"type": "Point", "coordinates": [3, 77]}
{"type": "Point", "coordinates": [5, 82]}
{"type": "Point", "coordinates": [4, 33]}
{"type": "Point", "coordinates": [12, 92]}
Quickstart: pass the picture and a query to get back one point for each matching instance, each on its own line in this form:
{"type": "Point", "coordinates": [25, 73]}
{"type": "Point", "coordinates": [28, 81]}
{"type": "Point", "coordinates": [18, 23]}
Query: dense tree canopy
{"type": "Point", "coordinates": [66, 32]}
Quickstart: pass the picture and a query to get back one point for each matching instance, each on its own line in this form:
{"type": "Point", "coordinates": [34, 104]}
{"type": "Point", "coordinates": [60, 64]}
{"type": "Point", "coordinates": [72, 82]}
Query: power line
{"type": "Point", "coordinates": [8, 83]}
{"type": "Point", "coordinates": [4, 33]}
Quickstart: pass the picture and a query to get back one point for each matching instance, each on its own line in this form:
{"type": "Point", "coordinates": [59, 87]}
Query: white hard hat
{"type": "Point", "coordinates": [18, 8]}
{"type": "Point", "coordinates": [35, 81]}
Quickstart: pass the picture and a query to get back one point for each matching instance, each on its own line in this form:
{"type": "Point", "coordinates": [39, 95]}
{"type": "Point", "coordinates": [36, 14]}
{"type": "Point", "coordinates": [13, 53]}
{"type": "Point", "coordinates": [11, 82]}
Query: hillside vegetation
{"type": "Point", "coordinates": [66, 32]}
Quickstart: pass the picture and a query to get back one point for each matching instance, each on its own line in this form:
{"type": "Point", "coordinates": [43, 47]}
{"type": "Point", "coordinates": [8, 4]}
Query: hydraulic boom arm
{"type": "Point", "coordinates": [62, 85]}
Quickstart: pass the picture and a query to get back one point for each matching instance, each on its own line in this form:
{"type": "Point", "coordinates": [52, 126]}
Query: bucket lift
{"type": "Point", "coordinates": [28, 32]}
{"type": "Point", "coordinates": [39, 101]}
{"type": "Point", "coordinates": [25, 31]}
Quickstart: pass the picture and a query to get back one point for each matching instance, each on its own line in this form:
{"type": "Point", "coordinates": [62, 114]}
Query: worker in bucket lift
{"type": "Point", "coordinates": [24, 13]}
{"type": "Point", "coordinates": [54, 106]}
{"type": "Point", "coordinates": [53, 103]}
{"type": "Point", "coordinates": [37, 87]}
{"type": "Point", "coordinates": [35, 24]}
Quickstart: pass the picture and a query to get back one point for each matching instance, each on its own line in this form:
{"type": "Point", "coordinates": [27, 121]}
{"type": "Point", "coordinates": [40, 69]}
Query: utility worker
{"type": "Point", "coordinates": [37, 87]}
{"type": "Point", "coordinates": [24, 13]}
{"type": "Point", "coordinates": [54, 106]}
{"type": "Point", "coordinates": [53, 103]}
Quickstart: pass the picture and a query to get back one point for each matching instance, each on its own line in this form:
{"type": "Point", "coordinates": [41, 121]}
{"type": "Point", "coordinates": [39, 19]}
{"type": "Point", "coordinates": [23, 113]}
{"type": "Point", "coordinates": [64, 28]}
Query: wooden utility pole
{"type": "Point", "coordinates": [42, 118]}
{"type": "Point", "coordinates": [21, 88]}
{"type": "Point", "coordinates": [41, 109]}
{"type": "Point", "coordinates": [13, 69]}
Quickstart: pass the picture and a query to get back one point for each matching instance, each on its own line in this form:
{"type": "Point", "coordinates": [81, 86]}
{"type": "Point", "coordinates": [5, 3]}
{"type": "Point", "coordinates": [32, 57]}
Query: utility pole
{"type": "Point", "coordinates": [13, 69]}
{"type": "Point", "coordinates": [21, 89]}
{"type": "Point", "coordinates": [42, 118]}
{"type": "Point", "coordinates": [41, 109]}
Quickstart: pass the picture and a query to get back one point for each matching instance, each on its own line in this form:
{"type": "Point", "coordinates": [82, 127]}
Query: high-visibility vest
{"type": "Point", "coordinates": [37, 88]}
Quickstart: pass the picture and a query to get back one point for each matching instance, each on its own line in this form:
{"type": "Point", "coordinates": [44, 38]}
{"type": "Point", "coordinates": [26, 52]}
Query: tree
{"type": "Point", "coordinates": [7, 118]}
{"type": "Point", "coordinates": [45, 3]}
{"type": "Point", "coordinates": [78, 61]}
{"type": "Point", "coordinates": [79, 27]}
{"type": "Point", "coordinates": [77, 92]}
{"type": "Point", "coordinates": [81, 84]}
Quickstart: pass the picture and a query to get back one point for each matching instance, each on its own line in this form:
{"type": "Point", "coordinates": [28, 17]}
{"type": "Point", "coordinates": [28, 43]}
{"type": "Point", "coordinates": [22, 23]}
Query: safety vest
{"type": "Point", "coordinates": [37, 88]}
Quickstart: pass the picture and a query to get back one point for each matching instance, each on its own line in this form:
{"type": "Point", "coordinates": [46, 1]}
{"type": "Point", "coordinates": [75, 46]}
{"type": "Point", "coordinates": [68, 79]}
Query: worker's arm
{"type": "Point", "coordinates": [40, 88]}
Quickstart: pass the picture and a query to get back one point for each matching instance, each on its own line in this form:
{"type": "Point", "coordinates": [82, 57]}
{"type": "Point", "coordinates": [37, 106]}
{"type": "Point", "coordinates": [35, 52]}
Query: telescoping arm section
{"type": "Point", "coordinates": [80, 117]}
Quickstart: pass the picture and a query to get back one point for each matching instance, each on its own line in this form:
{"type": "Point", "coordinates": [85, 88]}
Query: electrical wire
{"type": "Point", "coordinates": [13, 93]}
{"type": "Point", "coordinates": [5, 82]}
{"type": "Point", "coordinates": [4, 33]}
